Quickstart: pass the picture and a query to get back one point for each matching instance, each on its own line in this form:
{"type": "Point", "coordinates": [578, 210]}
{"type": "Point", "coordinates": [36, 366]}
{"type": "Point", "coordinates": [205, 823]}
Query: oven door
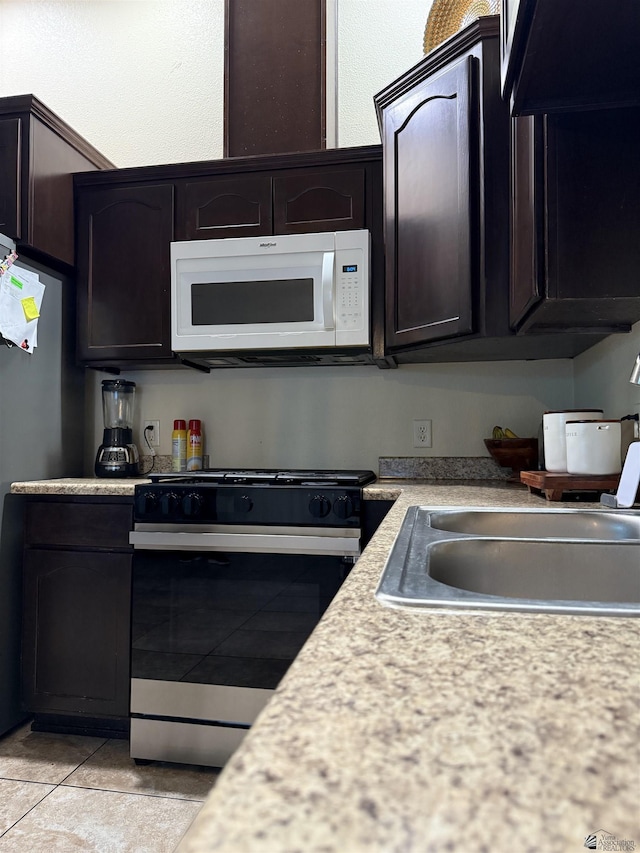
{"type": "Point", "coordinates": [213, 632]}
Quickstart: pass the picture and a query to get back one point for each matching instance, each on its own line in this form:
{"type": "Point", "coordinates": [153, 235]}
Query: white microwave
{"type": "Point", "coordinates": [286, 292]}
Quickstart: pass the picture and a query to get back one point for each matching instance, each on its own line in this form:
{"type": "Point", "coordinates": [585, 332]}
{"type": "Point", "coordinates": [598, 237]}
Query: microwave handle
{"type": "Point", "coordinates": [328, 260]}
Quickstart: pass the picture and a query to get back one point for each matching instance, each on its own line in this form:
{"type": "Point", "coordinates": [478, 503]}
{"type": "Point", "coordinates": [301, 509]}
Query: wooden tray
{"type": "Point", "coordinates": [555, 485]}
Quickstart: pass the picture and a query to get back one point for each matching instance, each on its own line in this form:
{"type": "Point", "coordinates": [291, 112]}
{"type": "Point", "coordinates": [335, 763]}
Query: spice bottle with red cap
{"type": "Point", "coordinates": [194, 445]}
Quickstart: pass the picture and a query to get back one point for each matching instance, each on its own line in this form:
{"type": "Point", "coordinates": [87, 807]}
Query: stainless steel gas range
{"type": "Point", "coordinates": [232, 571]}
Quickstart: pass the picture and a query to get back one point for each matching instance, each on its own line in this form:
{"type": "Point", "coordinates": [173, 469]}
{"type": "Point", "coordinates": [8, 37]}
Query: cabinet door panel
{"type": "Point", "coordinates": [76, 632]}
{"type": "Point", "coordinates": [431, 209]}
{"type": "Point", "coordinates": [525, 286]}
{"type": "Point", "coordinates": [593, 210]}
{"type": "Point", "coordinates": [237, 207]}
{"type": "Point", "coordinates": [575, 220]}
{"type": "Point", "coordinates": [10, 167]}
{"type": "Point", "coordinates": [324, 201]}
{"type": "Point", "coordinates": [124, 272]}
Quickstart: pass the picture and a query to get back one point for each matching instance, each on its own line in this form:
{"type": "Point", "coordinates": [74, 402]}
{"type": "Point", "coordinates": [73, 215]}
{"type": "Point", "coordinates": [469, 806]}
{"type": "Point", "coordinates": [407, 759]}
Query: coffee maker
{"type": "Point", "coordinates": [117, 455]}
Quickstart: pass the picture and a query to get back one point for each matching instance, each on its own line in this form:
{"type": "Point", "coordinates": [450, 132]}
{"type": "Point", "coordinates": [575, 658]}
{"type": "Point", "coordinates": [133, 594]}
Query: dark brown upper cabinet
{"type": "Point", "coordinates": [126, 220]}
{"type": "Point", "coordinates": [451, 190]}
{"type": "Point", "coordinates": [238, 206]}
{"type": "Point", "coordinates": [575, 221]}
{"type": "Point", "coordinates": [323, 200]}
{"type": "Point", "coordinates": [124, 235]}
{"type": "Point", "coordinates": [445, 133]}
{"type": "Point", "coordinates": [38, 155]}
{"type": "Point", "coordinates": [432, 206]}
{"type": "Point", "coordinates": [294, 201]}
{"type": "Point", "coordinates": [275, 68]}
{"type": "Point", "coordinates": [560, 55]}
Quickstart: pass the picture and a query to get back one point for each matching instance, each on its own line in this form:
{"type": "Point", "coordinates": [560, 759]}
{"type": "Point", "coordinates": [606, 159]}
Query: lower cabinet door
{"type": "Point", "coordinates": [76, 632]}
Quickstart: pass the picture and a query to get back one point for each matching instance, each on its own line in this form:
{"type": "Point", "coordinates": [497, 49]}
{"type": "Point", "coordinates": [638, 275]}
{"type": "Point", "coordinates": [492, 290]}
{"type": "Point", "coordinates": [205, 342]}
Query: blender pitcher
{"type": "Point", "coordinates": [117, 455]}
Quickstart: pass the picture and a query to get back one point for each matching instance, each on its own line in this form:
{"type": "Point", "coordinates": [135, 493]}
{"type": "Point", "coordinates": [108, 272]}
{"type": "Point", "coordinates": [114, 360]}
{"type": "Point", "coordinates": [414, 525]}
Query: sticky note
{"type": "Point", "coordinates": [30, 308]}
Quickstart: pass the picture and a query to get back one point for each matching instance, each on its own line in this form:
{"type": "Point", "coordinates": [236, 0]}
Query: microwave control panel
{"type": "Point", "coordinates": [352, 289]}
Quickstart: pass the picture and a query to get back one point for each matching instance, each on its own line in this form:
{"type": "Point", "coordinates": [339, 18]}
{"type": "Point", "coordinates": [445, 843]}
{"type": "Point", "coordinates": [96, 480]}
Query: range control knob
{"type": "Point", "coordinates": [242, 503]}
{"type": "Point", "coordinates": [146, 503]}
{"type": "Point", "coordinates": [319, 506]}
{"type": "Point", "coordinates": [343, 507]}
{"type": "Point", "coordinates": [192, 504]}
{"type": "Point", "coordinates": [169, 503]}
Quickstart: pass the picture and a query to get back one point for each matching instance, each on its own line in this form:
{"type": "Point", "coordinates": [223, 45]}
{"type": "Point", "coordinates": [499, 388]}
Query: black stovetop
{"type": "Point", "coordinates": [266, 476]}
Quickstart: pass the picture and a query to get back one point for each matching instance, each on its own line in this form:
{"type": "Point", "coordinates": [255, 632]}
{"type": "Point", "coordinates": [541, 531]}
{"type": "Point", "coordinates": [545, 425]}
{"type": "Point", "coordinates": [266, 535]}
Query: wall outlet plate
{"type": "Point", "coordinates": [422, 433]}
{"type": "Point", "coordinates": [152, 435]}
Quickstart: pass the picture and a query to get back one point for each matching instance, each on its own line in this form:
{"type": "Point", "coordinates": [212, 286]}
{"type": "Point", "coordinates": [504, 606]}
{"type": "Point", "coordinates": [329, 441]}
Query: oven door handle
{"type": "Point", "coordinates": [256, 543]}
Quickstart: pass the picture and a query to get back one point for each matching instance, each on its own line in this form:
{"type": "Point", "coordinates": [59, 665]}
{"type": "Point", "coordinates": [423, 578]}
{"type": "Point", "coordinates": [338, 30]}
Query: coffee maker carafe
{"type": "Point", "coordinates": [117, 455]}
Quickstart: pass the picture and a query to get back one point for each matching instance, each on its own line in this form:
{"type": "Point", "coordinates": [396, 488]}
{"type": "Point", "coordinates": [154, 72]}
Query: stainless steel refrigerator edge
{"type": "Point", "coordinates": [41, 436]}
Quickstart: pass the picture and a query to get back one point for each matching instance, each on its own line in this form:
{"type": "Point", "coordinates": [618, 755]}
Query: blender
{"type": "Point", "coordinates": [117, 455]}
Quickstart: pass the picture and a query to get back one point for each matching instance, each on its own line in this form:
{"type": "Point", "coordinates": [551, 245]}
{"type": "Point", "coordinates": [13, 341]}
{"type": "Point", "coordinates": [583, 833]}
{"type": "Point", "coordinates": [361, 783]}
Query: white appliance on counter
{"type": "Point", "coordinates": [264, 294]}
{"type": "Point", "coordinates": [41, 437]}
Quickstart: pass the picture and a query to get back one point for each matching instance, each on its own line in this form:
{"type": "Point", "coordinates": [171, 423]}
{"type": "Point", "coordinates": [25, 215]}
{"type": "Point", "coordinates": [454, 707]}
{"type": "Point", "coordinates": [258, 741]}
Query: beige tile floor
{"type": "Point", "coordinates": [72, 794]}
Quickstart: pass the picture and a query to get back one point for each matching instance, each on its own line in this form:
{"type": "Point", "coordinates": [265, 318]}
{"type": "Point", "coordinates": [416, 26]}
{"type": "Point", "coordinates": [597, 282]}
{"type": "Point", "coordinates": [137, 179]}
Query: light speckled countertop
{"type": "Point", "coordinates": [77, 486]}
{"type": "Point", "coordinates": [434, 731]}
{"type": "Point", "coordinates": [402, 731]}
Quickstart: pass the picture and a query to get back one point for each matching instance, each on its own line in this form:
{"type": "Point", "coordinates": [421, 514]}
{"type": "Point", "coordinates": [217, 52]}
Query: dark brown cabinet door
{"type": "Point", "coordinates": [526, 286]}
{"type": "Point", "coordinates": [124, 281]}
{"type": "Point", "coordinates": [226, 207]}
{"type": "Point", "coordinates": [430, 148]}
{"type": "Point", "coordinates": [319, 201]}
{"type": "Point", "coordinates": [292, 203]}
{"type": "Point", "coordinates": [10, 170]}
{"type": "Point", "coordinates": [274, 76]}
{"type": "Point", "coordinates": [76, 632]}
{"type": "Point", "coordinates": [575, 221]}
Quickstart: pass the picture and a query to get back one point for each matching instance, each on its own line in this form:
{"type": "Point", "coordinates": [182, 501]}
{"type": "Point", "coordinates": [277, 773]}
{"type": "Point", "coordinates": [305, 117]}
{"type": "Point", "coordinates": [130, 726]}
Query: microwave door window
{"type": "Point", "coordinates": [252, 302]}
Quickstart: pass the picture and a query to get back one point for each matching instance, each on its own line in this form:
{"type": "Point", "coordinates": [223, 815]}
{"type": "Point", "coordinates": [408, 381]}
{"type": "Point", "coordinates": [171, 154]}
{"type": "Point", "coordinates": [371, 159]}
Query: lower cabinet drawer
{"type": "Point", "coordinates": [82, 525]}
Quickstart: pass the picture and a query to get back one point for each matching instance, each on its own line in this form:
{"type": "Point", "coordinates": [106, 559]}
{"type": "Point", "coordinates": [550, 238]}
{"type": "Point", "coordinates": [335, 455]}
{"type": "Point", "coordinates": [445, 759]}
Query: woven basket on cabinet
{"type": "Point", "coordinates": [448, 16]}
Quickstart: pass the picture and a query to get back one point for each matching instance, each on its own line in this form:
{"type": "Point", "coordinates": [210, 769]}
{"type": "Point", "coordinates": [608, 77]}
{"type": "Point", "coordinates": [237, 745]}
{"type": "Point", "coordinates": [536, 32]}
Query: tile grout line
{"type": "Point", "coordinates": [35, 805]}
{"type": "Point", "coordinates": [56, 785]}
{"type": "Point", "coordinates": [84, 761]}
{"type": "Point", "coordinates": [128, 793]}
{"type": "Point", "coordinates": [63, 784]}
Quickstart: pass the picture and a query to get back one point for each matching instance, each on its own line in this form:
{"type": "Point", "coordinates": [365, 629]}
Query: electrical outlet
{"type": "Point", "coordinates": [422, 433]}
{"type": "Point", "coordinates": [152, 434]}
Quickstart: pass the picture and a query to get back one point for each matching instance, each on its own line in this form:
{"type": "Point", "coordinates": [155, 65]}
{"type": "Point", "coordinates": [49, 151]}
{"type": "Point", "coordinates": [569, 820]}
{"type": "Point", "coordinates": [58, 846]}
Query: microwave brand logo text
{"type": "Point", "coordinates": [267, 245]}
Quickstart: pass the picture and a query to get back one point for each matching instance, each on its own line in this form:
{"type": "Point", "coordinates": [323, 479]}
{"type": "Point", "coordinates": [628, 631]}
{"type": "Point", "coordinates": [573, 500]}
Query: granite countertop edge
{"type": "Point", "coordinates": [381, 489]}
{"type": "Point", "coordinates": [402, 731]}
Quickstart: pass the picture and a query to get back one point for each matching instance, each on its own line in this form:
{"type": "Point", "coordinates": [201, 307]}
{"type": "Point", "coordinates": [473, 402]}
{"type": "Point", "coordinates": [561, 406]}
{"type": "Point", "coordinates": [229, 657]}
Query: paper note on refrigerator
{"type": "Point", "coordinates": [21, 293]}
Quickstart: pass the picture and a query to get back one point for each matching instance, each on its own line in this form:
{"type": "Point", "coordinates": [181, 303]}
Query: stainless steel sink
{"type": "Point", "coordinates": [553, 561]}
{"type": "Point", "coordinates": [540, 524]}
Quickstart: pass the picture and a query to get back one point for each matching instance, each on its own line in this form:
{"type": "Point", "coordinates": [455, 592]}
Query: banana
{"type": "Point", "coordinates": [500, 433]}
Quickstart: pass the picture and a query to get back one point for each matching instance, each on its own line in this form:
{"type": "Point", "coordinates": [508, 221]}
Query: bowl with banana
{"type": "Point", "coordinates": [511, 451]}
